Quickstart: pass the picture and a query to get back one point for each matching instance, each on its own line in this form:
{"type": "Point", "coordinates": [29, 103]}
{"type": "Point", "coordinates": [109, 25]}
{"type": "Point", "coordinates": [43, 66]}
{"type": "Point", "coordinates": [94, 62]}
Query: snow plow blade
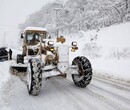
{"type": "Point", "coordinates": [18, 71]}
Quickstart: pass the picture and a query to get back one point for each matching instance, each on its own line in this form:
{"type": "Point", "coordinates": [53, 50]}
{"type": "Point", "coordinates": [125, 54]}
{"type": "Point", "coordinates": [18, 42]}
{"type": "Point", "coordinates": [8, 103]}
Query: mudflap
{"type": "Point", "coordinates": [18, 71]}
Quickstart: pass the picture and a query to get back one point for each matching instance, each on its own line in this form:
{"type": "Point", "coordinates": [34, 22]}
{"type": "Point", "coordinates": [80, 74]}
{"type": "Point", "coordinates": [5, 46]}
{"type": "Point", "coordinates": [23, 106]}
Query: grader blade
{"type": "Point", "coordinates": [18, 71]}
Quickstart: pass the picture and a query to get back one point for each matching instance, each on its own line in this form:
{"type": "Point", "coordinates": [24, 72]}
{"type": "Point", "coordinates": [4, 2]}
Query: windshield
{"type": "Point", "coordinates": [44, 36]}
{"type": "Point", "coordinates": [33, 39]}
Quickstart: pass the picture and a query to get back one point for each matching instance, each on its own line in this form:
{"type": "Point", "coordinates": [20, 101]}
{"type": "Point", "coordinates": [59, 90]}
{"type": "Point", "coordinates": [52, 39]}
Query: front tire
{"type": "Point", "coordinates": [34, 77]}
{"type": "Point", "coordinates": [85, 72]}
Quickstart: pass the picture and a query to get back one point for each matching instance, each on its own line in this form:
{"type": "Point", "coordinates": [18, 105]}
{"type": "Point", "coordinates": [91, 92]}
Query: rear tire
{"type": "Point", "coordinates": [85, 72]}
{"type": "Point", "coordinates": [34, 77]}
{"type": "Point", "coordinates": [20, 59]}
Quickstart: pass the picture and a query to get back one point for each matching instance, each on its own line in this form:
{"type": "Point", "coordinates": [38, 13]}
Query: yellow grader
{"type": "Point", "coordinates": [43, 57]}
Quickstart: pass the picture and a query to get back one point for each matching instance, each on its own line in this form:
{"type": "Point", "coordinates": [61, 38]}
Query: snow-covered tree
{"type": "Point", "coordinates": [75, 15]}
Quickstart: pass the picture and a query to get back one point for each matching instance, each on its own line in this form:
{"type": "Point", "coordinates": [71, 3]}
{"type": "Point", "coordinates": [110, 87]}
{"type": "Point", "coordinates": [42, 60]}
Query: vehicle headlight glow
{"type": "Point", "coordinates": [50, 43]}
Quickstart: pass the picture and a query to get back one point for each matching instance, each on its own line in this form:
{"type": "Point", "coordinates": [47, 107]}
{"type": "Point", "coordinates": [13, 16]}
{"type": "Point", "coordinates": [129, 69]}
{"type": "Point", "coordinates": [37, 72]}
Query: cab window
{"type": "Point", "coordinates": [44, 36]}
{"type": "Point", "coordinates": [32, 38]}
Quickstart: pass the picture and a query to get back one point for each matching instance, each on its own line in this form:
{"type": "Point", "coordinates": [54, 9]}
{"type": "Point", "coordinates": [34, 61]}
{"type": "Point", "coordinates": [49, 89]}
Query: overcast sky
{"type": "Point", "coordinates": [14, 12]}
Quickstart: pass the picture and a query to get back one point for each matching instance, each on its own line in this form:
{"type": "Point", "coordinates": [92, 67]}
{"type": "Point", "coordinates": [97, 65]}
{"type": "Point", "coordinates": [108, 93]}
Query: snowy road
{"type": "Point", "coordinates": [62, 94]}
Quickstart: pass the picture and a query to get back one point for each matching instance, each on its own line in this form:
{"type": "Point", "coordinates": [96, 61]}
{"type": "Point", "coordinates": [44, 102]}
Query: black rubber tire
{"type": "Point", "coordinates": [85, 72]}
{"type": "Point", "coordinates": [34, 76]}
{"type": "Point", "coordinates": [20, 59]}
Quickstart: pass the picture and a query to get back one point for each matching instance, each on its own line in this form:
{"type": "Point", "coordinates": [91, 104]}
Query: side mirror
{"type": "Point", "coordinates": [22, 36]}
{"type": "Point", "coordinates": [49, 37]}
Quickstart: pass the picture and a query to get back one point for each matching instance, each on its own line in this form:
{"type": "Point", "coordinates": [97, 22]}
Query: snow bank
{"type": "Point", "coordinates": [4, 75]}
{"type": "Point", "coordinates": [117, 36]}
{"type": "Point", "coordinates": [112, 68]}
{"type": "Point", "coordinates": [110, 39]}
{"type": "Point", "coordinates": [4, 66]}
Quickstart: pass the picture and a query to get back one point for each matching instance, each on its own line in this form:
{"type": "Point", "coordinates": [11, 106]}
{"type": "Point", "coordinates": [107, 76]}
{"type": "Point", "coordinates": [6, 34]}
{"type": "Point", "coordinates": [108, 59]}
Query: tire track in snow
{"type": "Point", "coordinates": [111, 94]}
{"type": "Point", "coordinates": [111, 89]}
{"type": "Point", "coordinates": [88, 98]}
{"type": "Point", "coordinates": [122, 82]}
{"type": "Point", "coordinates": [118, 100]}
{"type": "Point", "coordinates": [109, 100]}
{"type": "Point", "coordinates": [113, 84]}
{"type": "Point", "coordinates": [109, 97]}
{"type": "Point", "coordinates": [62, 94]}
{"type": "Point", "coordinates": [79, 102]}
{"type": "Point", "coordinates": [6, 94]}
{"type": "Point", "coordinates": [50, 95]}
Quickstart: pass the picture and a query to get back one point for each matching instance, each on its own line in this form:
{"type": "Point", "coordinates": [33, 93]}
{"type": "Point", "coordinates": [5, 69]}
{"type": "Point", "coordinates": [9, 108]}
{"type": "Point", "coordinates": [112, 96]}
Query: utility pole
{"type": "Point", "coordinates": [57, 26]}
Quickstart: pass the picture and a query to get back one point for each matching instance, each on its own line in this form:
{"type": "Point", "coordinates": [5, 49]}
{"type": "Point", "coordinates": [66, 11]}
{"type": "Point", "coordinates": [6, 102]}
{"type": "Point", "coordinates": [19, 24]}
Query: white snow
{"type": "Point", "coordinates": [35, 28]}
{"type": "Point", "coordinates": [112, 68]}
{"type": "Point", "coordinates": [60, 94]}
{"type": "Point", "coordinates": [4, 74]}
{"type": "Point", "coordinates": [113, 38]}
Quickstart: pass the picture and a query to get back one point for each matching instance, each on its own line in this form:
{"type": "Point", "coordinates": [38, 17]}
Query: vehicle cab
{"type": "Point", "coordinates": [33, 39]}
{"type": "Point", "coordinates": [33, 35]}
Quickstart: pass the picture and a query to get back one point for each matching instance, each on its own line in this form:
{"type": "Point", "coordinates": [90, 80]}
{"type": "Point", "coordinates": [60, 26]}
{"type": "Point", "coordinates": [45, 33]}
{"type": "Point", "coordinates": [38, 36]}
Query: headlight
{"type": "Point", "coordinates": [50, 43]}
{"type": "Point", "coordinates": [52, 49]}
{"type": "Point", "coordinates": [74, 43]}
{"type": "Point", "coordinates": [74, 46]}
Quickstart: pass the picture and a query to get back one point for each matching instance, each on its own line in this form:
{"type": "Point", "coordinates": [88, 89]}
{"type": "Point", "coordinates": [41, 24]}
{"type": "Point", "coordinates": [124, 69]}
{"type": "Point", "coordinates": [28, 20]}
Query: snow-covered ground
{"type": "Point", "coordinates": [59, 93]}
{"type": "Point", "coordinates": [4, 74]}
{"type": "Point", "coordinates": [113, 41]}
{"type": "Point", "coordinates": [105, 91]}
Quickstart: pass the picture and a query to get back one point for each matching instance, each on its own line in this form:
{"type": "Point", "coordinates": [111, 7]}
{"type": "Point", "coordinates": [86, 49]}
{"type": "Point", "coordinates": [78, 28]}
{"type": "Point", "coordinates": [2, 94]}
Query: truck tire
{"type": "Point", "coordinates": [20, 59]}
{"type": "Point", "coordinates": [34, 76]}
{"type": "Point", "coordinates": [85, 72]}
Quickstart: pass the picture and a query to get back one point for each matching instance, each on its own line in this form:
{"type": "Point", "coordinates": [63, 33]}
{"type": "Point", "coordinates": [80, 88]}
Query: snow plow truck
{"type": "Point", "coordinates": [44, 57]}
